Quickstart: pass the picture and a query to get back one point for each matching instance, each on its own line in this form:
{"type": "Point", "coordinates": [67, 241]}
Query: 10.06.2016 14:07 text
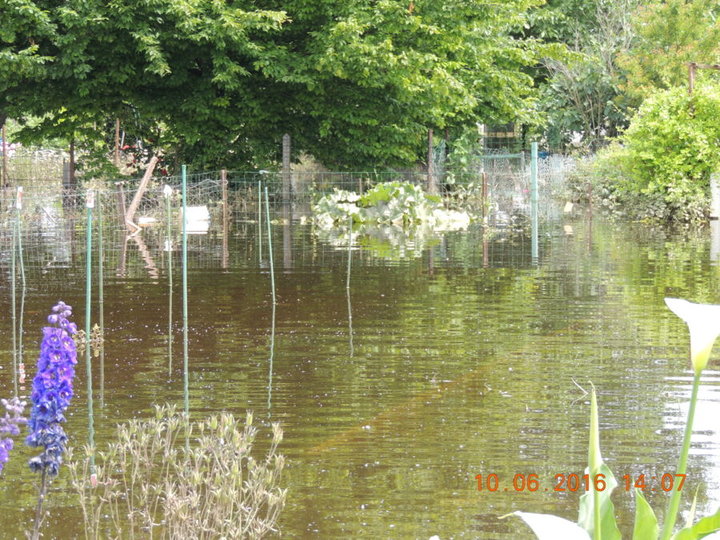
{"type": "Point", "coordinates": [575, 482]}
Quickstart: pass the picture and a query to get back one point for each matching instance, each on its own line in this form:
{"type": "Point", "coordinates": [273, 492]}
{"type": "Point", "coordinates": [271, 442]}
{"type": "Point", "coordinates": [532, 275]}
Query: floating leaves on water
{"type": "Point", "coordinates": [97, 341]}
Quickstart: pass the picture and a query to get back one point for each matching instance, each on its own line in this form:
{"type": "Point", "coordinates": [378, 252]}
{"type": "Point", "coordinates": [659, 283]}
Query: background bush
{"type": "Point", "coordinates": [660, 168]}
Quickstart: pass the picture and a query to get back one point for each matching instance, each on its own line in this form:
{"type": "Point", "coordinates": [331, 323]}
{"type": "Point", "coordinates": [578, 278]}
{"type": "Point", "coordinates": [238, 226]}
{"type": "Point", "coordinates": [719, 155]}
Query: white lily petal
{"type": "Point", "coordinates": [703, 321]}
{"type": "Point", "coordinates": [549, 527]}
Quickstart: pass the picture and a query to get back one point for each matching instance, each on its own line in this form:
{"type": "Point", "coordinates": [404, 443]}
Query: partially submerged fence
{"type": "Point", "coordinates": [501, 185]}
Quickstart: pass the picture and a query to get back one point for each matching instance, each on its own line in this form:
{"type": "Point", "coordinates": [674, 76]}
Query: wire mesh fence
{"type": "Point", "coordinates": [499, 182]}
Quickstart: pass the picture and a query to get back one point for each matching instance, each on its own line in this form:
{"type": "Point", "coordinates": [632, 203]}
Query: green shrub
{"type": "Point", "coordinates": [660, 169]}
{"type": "Point", "coordinates": [673, 144]}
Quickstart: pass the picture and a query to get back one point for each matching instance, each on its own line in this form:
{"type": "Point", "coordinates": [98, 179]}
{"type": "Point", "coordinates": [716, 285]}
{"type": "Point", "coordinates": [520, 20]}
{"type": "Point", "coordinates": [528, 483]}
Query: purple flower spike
{"type": "Point", "coordinates": [10, 425]}
{"type": "Point", "coordinates": [52, 390]}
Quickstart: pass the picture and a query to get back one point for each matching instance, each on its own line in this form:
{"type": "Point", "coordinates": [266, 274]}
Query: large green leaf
{"type": "Point", "coordinates": [701, 529]}
{"type": "Point", "coordinates": [597, 512]}
{"type": "Point", "coordinates": [646, 525]}
{"type": "Point", "coordinates": [549, 527]}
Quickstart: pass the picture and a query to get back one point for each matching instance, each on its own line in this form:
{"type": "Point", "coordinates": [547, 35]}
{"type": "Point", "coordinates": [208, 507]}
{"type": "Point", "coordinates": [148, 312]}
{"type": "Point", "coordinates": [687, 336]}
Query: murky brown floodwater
{"type": "Point", "coordinates": [459, 362]}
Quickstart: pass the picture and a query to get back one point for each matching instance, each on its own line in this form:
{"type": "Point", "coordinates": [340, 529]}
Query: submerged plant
{"type": "Point", "coordinates": [51, 393]}
{"type": "Point", "coordinates": [597, 513]}
{"type": "Point", "coordinates": [10, 425]}
{"type": "Point", "coordinates": [152, 484]}
{"type": "Point", "coordinates": [396, 204]}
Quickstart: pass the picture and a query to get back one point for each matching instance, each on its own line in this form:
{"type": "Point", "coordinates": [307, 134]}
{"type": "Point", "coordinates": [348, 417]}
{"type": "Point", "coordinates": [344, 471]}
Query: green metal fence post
{"type": "Point", "coordinates": [89, 204]}
{"type": "Point", "coordinates": [186, 378]}
{"type": "Point", "coordinates": [534, 198]}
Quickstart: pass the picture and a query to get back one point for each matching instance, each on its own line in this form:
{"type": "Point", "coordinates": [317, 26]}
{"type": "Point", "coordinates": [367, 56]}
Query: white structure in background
{"type": "Point", "coordinates": [715, 217]}
{"type": "Point", "coordinates": [197, 220]}
{"type": "Point", "coordinates": [715, 196]}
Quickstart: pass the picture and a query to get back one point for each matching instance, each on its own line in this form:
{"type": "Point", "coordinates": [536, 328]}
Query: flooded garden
{"type": "Point", "coordinates": [420, 378]}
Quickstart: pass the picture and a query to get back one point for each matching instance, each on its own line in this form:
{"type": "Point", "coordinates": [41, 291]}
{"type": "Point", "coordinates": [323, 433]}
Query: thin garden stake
{"type": "Point", "coordinates": [272, 356]}
{"type": "Point", "coordinates": [186, 381]}
{"type": "Point", "coordinates": [225, 219]}
{"type": "Point", "coordinates": [13, 286]}
{"type": "Point", "coordinates": [101, 300]}
{"type": "Point", "coordinates": [270, 250]}
{"type": "Point", "coordinates": [350, 224]}
{"type": "Point", "coordinates": [272, 284]}
{"type": "Point", "coordinates": [347, 286]}
{"type": "Point", "coordinates": [167, 191]}
{"type": "Point", "coordinates": [259, 202]}
{"type": "Point", "coordinates": [21, 259]}
{"type": "Point", "coordinates": [89, 204]}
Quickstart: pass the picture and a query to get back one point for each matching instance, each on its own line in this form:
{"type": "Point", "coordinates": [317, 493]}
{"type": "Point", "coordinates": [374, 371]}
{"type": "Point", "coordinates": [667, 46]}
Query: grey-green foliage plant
{"type": "Point", "coordinates": [597, 514]}
{"type": "Point", "coordinates": [391, 203]}
{"type": "Point", "coordinates": [151, 483]}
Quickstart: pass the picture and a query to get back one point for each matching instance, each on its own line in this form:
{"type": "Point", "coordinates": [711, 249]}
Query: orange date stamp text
{"type": "Point", "coordinates": [579, 482]}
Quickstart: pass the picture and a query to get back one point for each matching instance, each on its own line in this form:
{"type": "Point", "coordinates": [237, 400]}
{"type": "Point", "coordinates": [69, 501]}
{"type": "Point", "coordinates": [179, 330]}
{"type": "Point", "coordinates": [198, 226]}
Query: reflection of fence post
{"type": "Point", "coordinates": [534, 197]}
{"type": "Point", "coordinates": [286, 168]}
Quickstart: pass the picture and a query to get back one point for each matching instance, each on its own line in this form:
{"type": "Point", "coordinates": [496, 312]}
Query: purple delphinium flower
{"type": "Point", "coordinates": [52, 390]}
{"type": "Point", "coordinates": [10, 425]}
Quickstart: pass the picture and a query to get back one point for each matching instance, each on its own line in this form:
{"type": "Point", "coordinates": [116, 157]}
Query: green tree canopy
{"type": "Point", "coordinates": [356, 84]}
{"type": "Point", "coordinates": [669, 35]}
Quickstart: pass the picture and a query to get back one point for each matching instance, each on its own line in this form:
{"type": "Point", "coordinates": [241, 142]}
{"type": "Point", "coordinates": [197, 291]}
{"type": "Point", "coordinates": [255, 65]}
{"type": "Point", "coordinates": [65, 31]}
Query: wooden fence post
{"type": "Point", "coordinates": [286, 168]}
{"type": "Point", "coordinates": [431, 186]}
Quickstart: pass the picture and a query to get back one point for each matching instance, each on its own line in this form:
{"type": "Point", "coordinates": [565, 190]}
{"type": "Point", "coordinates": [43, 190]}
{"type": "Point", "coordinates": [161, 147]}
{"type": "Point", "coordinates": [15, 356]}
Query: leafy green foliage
{"type": "Point", "coordinates": [673, 144]}
{"type": "Point", "coordinates": [383, 73]}
{"type": "Point", "coordinates": [23, 23]}
{"type": "Point", "coordinates": [701, 529]}
{"type": "Point", "coordinates": [582, 95]}
{"type": "Point", "coordinates": [597, 512]}
{"type": "Point", "coordinates": [646, 524]}
{"type": "Point", "coordinates": [216, 83]}
{"type": "Point", "coordinates": [662, 168]}
{"type": "Point", "coordinates": [670, 33]}
{"type": "Point", "coordinates": [392, 203]}
{"type": "Point", "coordinates": [393, 219]}
{"type": "Point", "coordinates": [564, 20]}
